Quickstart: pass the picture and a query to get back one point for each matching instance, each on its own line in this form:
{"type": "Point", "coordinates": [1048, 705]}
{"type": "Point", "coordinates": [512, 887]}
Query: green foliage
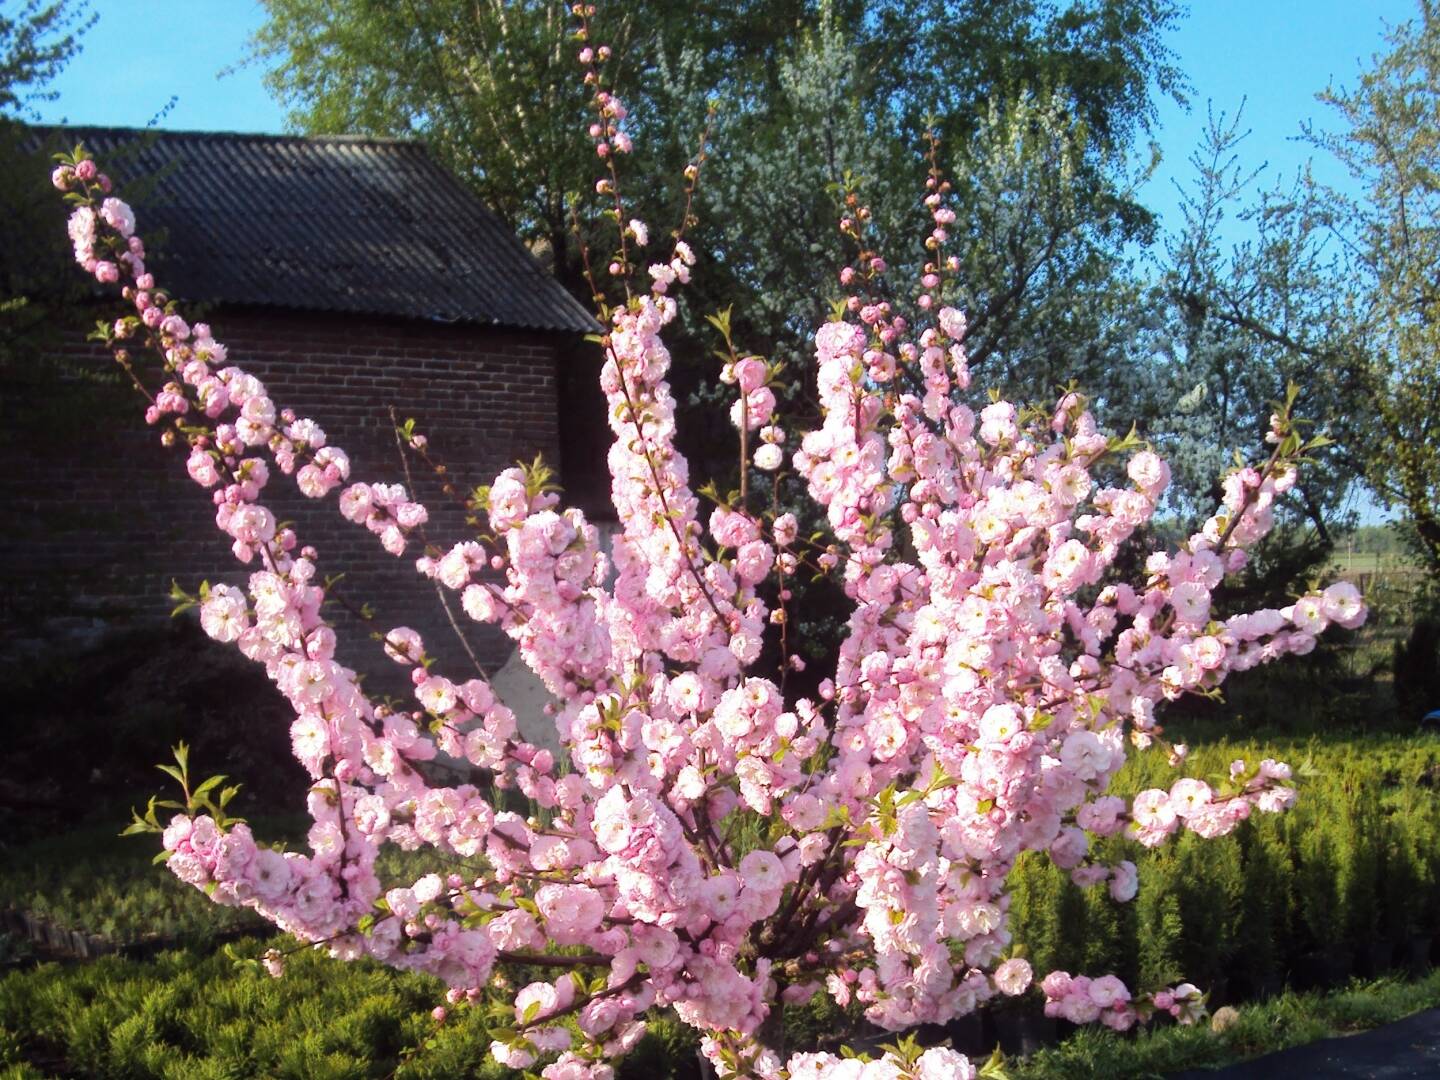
{"type": "Point", "coordinates": [1038, 891]}
{"type": "Point", "coordinates": [207, 797]}
{"type": "Point", "coordinates": [1288, 1020]}
{"type": "Point", "coordinates": [1110, 931]}
{"type": "Point", "coordinates": [1268, 903]}
{"type": "Point", "coordinates": [1349, 873]}
{"type": "Point", "coordinates": [669, 1049]}
{"type": "Point", "coordinates": [185, 1015]}
{"type": "Point", "coordinates": [37, 39]}
{"type": "Point", "coordinates": [1319, 899]}
{"type": "Point", "coordinates": [93, 881]}
{"type": "Point", "coordinates": [1209, 880]}
{"type": "Point", "coordinates": [1161, 932]}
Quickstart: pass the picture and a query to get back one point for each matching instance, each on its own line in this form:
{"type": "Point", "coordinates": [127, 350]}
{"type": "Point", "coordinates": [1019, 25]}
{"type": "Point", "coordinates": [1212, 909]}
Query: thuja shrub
{"type": "Point", "coordinates": [1343, 881]}
{"type": "Point", "coordinates": [995, 669]}
{"type": "Point", "coordinates": [188, 1014]}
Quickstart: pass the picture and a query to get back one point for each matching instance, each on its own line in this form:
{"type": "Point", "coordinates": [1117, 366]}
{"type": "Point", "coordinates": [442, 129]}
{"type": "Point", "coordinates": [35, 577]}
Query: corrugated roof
{"type": "Point", "coordinates": [331, 223]}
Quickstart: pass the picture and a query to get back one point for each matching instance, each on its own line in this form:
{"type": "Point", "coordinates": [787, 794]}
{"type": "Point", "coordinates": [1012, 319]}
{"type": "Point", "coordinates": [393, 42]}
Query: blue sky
{"type": "Point", "coordinates": [141, 53]}
{"type": "Point", "coordinates": [1273, 55]}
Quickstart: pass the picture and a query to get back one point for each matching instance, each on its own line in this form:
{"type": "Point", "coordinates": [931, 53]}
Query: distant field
{"type": "Point", "coordinates": [1368, 562]}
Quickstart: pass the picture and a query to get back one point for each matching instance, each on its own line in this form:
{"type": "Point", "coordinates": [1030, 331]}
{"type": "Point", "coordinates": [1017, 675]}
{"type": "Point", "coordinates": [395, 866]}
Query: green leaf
{"type": "Point", "coordinates": [994, 1068]}
{"type": "Point", "coordinates": [207, 786]}
{"type": "Point", "coordinates": [172, 771]}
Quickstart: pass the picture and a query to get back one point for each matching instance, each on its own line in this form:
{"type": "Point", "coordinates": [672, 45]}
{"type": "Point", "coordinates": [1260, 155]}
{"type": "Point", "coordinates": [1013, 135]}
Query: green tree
{"type": "Point", "coordinates": [36, 41]}
{"type": "Point", "coordinates": [1042, 103]}
{"type": "Point", "coordinates": [1244, 320]}
{"type": "Point", "coordinates": [494, 89]}
{"type": "Point", "coordinates": [1390, 143]}
{"type": "Point", "coordinates": [1334, 290]}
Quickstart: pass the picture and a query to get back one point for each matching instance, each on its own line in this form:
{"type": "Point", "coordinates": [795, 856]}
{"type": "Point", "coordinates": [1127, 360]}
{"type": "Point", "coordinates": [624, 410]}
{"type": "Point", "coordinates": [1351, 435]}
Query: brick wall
{"type": "Point", "coordinates": [99, 518]}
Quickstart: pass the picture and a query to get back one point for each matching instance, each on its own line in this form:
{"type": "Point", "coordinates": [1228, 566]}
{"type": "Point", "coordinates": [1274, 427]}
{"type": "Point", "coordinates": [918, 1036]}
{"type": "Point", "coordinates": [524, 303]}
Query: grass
{"type": "Point", "coordinates": [1284, 1021]}
{"type": "Point", "coordinates": [1347, 563]}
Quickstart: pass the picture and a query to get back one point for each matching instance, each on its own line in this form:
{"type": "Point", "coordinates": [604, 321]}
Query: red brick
{"type": "Point", "coordinates": [106, 524]}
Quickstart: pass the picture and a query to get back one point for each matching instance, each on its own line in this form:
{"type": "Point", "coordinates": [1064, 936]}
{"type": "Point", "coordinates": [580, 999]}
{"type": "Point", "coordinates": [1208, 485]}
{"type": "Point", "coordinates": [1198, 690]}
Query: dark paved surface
{"type": "Point", "coordinates": [1408, 1050]}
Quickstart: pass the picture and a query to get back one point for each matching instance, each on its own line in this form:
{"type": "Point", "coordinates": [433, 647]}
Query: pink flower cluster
{"type": "Point", "coordinates": [995, 672]}
{"type": "Point", "coordinates": [937, 1063]}
{"type": "Point", "coordinates": [1083, 1000]}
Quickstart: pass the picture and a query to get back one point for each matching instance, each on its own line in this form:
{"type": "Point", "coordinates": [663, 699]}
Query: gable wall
{"type": "Point", "coordinates": [101, 518]}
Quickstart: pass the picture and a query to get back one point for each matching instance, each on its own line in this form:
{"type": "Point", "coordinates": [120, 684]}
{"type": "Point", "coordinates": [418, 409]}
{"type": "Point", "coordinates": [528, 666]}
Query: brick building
{"type": "Point", "coordinates": [351, 275]}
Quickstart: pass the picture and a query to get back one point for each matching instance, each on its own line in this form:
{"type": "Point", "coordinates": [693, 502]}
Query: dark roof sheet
{"type": "Point", "coordinates": [330, 223]}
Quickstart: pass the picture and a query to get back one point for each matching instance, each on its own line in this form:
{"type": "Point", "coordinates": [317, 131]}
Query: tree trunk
{"type": "Point", "coordinates": [771, 1034]}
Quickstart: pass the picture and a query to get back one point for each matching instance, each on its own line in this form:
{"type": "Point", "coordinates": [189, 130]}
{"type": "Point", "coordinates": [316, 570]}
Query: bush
{"type": "Point", "coordinates": [94, 882]}
{"type": "Point", "coordinates": [188, 1015]}
{"type": "Point", "coordinates": [1347, 874]}
{"type": "Point", "coordinates": [81, 728]}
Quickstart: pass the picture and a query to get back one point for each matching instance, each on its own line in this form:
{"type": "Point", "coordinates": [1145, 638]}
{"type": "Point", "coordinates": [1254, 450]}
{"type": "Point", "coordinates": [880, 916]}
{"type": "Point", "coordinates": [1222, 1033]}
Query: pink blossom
{"type": "Point", "coordinates": [1013, 977]}
{"type": "Point", "coordinates": [992, 671]}
{"type": "Point", "coordinates": [1343, 604]}
{"type": "Point", "coordinates": [763, 871]}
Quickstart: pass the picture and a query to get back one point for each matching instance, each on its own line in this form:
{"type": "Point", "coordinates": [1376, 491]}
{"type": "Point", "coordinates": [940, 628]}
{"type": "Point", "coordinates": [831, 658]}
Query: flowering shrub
{"type": "Point", "coordinates": [994, 670]}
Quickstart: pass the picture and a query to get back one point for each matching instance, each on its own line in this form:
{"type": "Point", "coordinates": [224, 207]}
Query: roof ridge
{"type": "Point", "coordinates": [258, 136]}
